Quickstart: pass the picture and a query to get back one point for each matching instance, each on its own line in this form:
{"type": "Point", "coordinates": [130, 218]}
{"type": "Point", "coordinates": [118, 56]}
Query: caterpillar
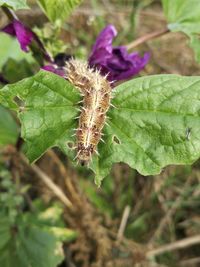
{"type": "Point", "coordinates": [96, 92]}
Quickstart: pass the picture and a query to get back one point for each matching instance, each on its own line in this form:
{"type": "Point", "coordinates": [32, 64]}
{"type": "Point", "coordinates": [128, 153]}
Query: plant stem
{"type": "Point", "coordinates": [48, 181]}
{"type": "Point", "coordinates": [146, 38]}
{"type": "Point", "coordinates": [9, 13]}
{"type": "Point", "coordinates": [181, 244]}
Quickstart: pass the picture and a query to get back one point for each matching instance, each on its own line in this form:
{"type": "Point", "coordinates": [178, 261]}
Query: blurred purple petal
{"type": "Point", "coordinates": [23, 34]}
{"type": "Point", "coordinates": [102, 48]}
{"type": "Point", "coordinates": [115, 61]}
{"type": "Point", "coordinates": [55, 69]}
{"type": "Point", "coordinates": [26, 37]}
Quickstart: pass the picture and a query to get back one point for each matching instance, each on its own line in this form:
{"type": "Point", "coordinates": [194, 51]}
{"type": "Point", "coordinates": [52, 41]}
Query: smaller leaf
{"type": "Point", "coordinates": [183, 15]}
{"type": "Point", "coordinates": [14, 71]}
{"type": "Point", "coordinates": [15, 4]}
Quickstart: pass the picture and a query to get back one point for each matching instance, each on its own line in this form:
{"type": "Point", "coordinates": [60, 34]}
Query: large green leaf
{"type": "Point", "coordinates": [28, 245]}
{"type": "Point", "coordinates": [184, 15]}
{"type": "Point", "coordinates": [156, 121]}
{"type": "Point", "coordinates": [15, 4]}
{"type": "Point", "coordinates": [8, 128]}
{"type": "Point", "coordinates": [58, 9]}
{"type": "Point", "coordinates": [49, 111]}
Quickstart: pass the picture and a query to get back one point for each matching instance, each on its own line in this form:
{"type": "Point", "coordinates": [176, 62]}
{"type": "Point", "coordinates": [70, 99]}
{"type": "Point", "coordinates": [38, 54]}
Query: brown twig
{"type": "Point", "coordinates": [189, 262]}
{"type": "Point", "coordinates": [123, 222]}
{"type": "Point", "coordinates": [186, 242]}
{"type": "Point", "coordinates": [48, 181]}
{"type": "Point", "coordinates": [146, 38]}
{"type": "Point", "coordinates": [164, 221]}
{"type": "Point", "coordinates": [72, 191]}
{"type": "Point", "coordinates": [9, 13]}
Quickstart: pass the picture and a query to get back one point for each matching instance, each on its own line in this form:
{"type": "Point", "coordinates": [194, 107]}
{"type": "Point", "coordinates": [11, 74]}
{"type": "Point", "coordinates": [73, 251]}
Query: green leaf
{"type": "Point", "coordinates": [184, 15]}
{"type": "Point", "coordinates": [14, 71]}
{"type": "Point", "coordinates": [9, 48]}
{"type": "Point", "coordinates": [155, 122]}
{"type": "Point", "coordinates": [8, 128]}
{"type": "Point", "coordinates": [28, 245]}
{"type": "Point", "coordinates": [49, 111]}
{"type": "Point", "coordinates": [15, 4]}
{"type": "Point", "coordinates": [58, 9]}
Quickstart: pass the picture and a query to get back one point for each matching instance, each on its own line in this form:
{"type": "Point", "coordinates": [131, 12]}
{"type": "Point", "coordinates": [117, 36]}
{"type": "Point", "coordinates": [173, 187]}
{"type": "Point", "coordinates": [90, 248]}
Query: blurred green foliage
{"type": "Point", "coordinates": [29, 237]}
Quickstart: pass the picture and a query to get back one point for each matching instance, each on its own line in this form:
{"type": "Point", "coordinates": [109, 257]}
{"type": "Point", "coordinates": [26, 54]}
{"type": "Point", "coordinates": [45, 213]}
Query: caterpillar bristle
{"type": "Point", "coordinates": [112, 105]}
{"type": "Point", "coordinates": [76, 156]}
{"type": "Point", "coordinates": [96, 152]}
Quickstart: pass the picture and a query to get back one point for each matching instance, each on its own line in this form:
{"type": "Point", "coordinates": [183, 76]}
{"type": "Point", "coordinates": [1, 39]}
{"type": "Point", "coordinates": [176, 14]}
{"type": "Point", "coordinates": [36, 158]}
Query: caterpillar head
{"type": "Point", "coordinates": [84, 154]}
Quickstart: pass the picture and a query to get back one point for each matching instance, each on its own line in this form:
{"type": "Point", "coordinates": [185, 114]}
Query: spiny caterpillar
{"type": "Point", "coordinates": [96, 91]}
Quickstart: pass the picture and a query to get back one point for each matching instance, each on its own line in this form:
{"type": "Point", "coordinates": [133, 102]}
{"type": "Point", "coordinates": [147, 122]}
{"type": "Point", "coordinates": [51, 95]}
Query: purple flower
{"type": "Point", "coordinates": [115, 61]}
{"type": "Point", "coordinates": [25, 37]}
{"type": "Point", "coordinates": [23, 34]}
